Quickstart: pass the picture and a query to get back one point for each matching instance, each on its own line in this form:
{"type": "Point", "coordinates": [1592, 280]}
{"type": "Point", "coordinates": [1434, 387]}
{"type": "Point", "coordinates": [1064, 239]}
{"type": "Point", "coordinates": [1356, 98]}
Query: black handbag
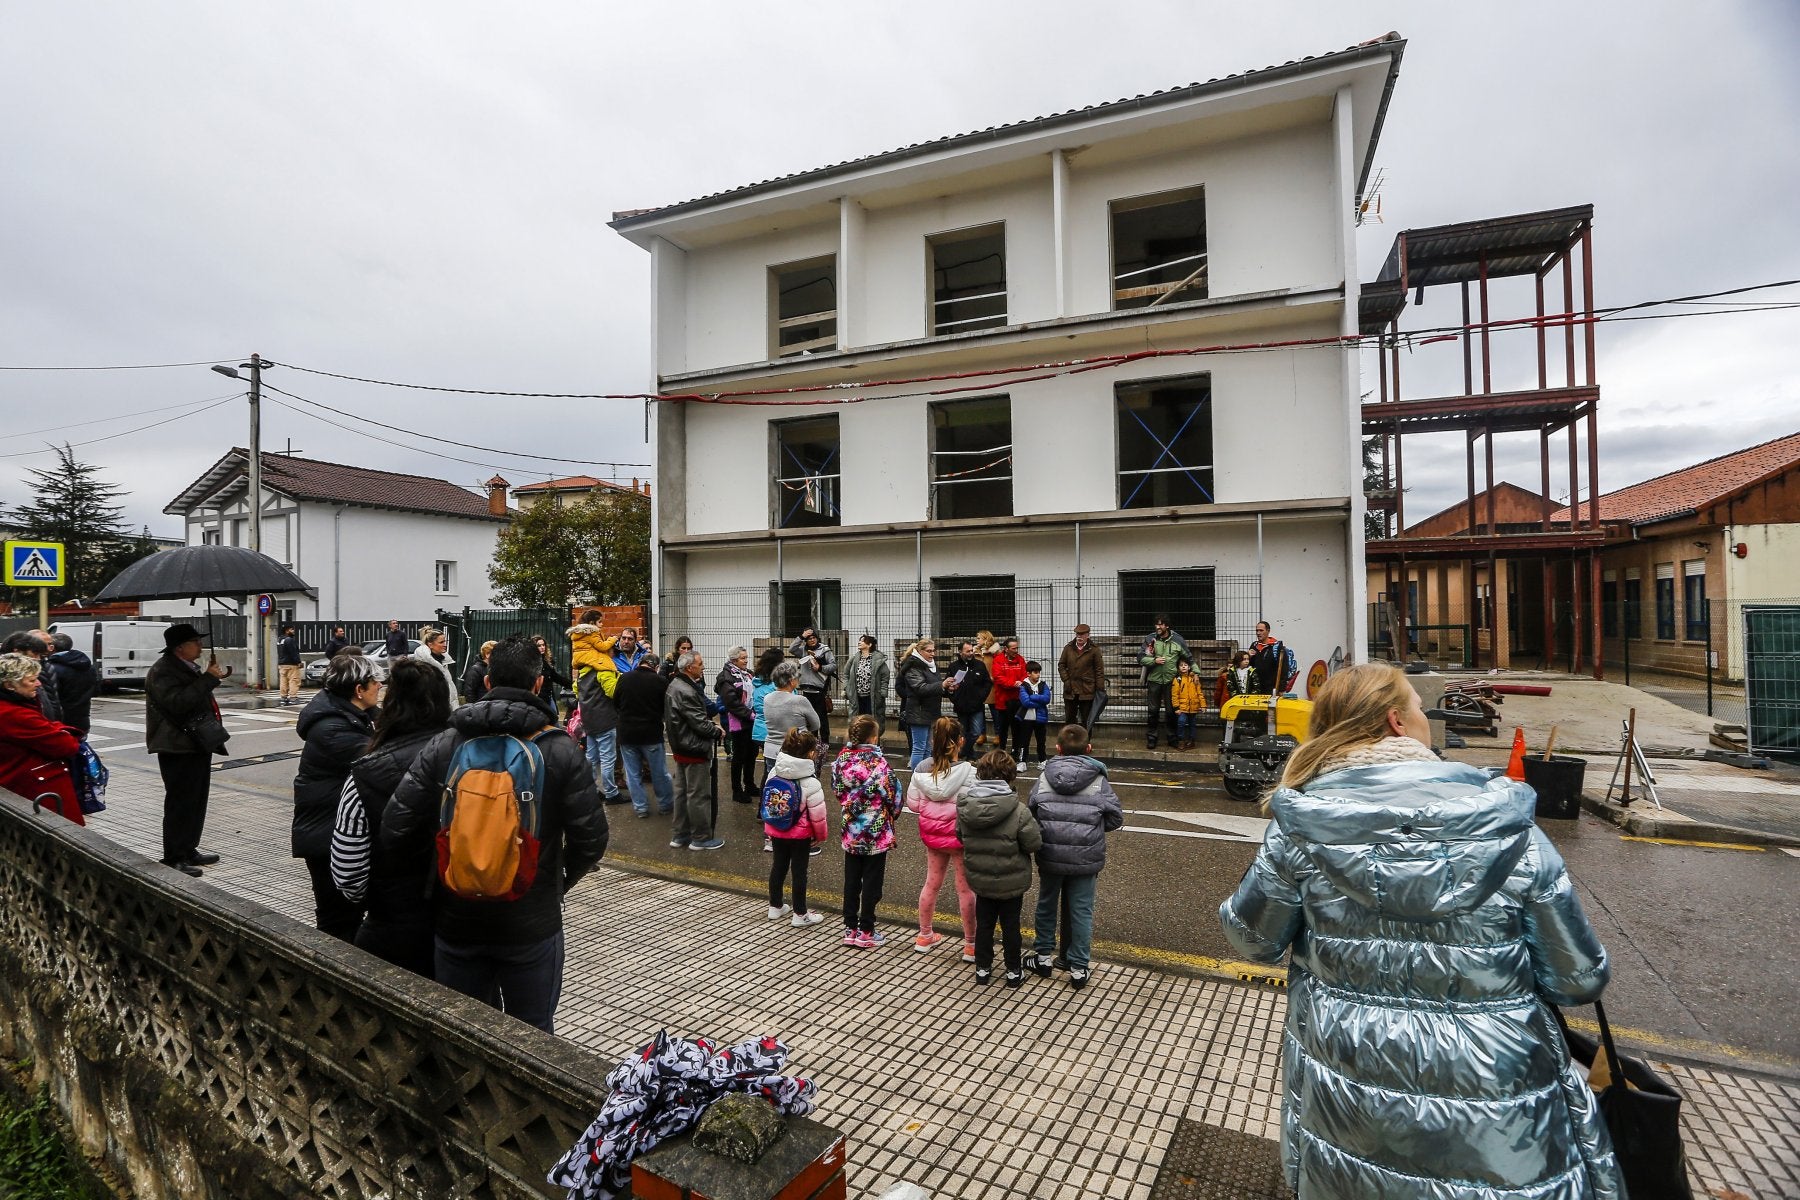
{"type": "Point", "coordinates": [1642, 1111]}
{"type": "Point", "coordinates": [207, 731]}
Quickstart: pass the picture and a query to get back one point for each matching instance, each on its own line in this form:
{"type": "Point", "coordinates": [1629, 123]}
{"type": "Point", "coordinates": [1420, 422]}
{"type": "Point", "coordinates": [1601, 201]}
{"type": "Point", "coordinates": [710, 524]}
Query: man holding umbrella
{"type": "Point", "coordinates": [178, 690]}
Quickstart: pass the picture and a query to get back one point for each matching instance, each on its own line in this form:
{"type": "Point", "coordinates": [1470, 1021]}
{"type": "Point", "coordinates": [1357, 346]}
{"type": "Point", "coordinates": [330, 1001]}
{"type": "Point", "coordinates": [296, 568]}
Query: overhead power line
{"type": "Point", "coordinates": [142, 412]}
{"type": "Point", "coordinates": [128, 366]}
{"type": "Point", "coordinates": [127, 432]}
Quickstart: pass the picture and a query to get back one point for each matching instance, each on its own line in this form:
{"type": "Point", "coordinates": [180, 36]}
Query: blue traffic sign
{"type": "Point", "coordinates": [34, 564]}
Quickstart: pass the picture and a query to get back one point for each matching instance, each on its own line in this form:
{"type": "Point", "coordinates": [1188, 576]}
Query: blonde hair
{"type": "Point", "coordinates": [17, 668]}
{"type": "Point", "coordinates": [1351, 710]}
{"type": "Point", "coordinates": [945, 733]}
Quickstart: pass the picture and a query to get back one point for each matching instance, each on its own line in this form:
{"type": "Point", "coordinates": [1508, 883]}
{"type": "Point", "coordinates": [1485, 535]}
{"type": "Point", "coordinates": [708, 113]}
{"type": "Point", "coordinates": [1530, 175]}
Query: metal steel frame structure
{"type": "Point", "coordinates": [1470, 255]}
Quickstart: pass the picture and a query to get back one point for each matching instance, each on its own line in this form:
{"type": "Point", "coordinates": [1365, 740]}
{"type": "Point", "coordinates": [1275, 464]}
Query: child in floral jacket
{"type": "Point", "coordinates": [866, 793]}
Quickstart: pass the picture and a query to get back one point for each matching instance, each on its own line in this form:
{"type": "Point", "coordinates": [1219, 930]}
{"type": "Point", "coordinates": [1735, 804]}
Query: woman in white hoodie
{"type": "Point", "coordinates": [794, 822]}
{"type": "Point", "coordinates": [932, 794]}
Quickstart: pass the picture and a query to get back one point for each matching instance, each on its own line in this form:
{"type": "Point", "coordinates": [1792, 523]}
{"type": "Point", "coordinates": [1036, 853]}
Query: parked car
{"type": "Point", "coordinates": [375, 652]}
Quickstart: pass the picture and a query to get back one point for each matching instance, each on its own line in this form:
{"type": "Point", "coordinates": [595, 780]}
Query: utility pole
{"type": "Point", "coordinates": [259, 656]}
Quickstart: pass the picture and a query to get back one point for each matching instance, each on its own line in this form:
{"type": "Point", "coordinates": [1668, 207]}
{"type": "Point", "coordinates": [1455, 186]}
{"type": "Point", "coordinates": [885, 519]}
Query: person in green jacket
{"type": "Point", "coordinates": [999, 836]}
{"type": "Point", "coordinates": [1160, 657]}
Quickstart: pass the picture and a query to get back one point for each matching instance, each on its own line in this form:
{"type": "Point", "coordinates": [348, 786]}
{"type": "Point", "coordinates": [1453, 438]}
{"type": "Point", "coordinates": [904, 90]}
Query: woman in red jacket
{"type": "Point", "coordinates": [34, 750]}
{"type": "Point", "coordinates": [1009, 671]}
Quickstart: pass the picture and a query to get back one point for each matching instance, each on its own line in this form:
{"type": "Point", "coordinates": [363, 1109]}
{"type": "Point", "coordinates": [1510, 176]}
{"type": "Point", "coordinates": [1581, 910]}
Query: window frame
{"type": "Point", "coordinates": [935, 459]}
{"type": "Point", "coordinates": [1693, 608]}
{"type": "Point", "coordinates": [993, 586]}
{"type": "Point", "coordinates": [817, 344]}
{"type": "Point", "coordinates": [781, 486]}
{"type": "Point", "coordinates": [443, 577]}
{"type": "Point", "coordinates": [1203, 478]}
{"type": "Point", "coordinates": [1181, 289]}
{"type": "Point", "coordinates": [1665, 602]}
{"type": "Point", "coordinates": [1609, 605]}
{"type": "Point", "coordinates": [935, 299]}
{"type": "Point", "coordinates": [824, 595]}
{"type": "Point", "coordinates": [1631, 596]}
{"type": "Point", "coordinates": [1137, 612]}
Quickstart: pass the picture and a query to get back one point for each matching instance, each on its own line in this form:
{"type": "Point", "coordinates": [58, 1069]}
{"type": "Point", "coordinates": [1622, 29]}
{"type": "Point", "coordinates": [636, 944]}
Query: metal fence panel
{"type": "Point", "coordinates": [1772, 678]}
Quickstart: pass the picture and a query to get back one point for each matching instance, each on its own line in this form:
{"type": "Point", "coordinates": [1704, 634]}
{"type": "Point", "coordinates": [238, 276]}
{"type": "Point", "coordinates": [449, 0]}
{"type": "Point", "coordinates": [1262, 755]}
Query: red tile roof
{"type": "Point", "coordinates": [1696, 487]}
{"type": "Point", "coordinates": [574, 483]}
{"type": "Point", "coordinates": [336, 483]}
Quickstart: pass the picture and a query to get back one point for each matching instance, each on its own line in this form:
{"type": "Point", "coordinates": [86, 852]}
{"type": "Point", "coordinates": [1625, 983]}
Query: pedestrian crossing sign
{"type": "Point", "coordinates": [34, 564]}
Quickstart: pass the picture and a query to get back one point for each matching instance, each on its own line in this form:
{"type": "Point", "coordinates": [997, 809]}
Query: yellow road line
{"type": "Point", "coordinates": [1660, 841]}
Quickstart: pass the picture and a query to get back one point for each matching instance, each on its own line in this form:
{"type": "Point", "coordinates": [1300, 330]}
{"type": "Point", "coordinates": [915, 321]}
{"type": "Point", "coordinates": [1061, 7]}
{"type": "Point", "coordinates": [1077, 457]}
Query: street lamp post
{"type": "Point", "coordinates": [255, 365]}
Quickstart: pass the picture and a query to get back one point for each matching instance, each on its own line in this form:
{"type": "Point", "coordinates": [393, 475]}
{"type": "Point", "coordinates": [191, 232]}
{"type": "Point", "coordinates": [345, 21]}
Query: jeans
{"type": "Point", "coordinates": [1006, 717]}
{"type": "Point", "coordinates": [647, 758]}
{"type": "Point", "coordinates": [1006, 912]}
{"type": "Point", "coordinates": [864, 875]}
{"type": "Point", "coordinates": [920, 736]}
{"type": "Point", "coordinates": [187, 783]}
{"type": "Point", "coordinates": [332, 913]}
{"type": "Point", "coordinates": [693, 802]}
{"type": "Point", "coordinates": [1076, 894]}
{"type": "Point", "coordinates": [791, 857]}
{"type": "Point", "coordinates": [937, 864]}
{"type": "Point", "coordinates": [1157, 703]}
{"type": "Point", "coordinates": [603, 756]}
{"type": "Point", "coordinates": [974, 726]}
{"type": "Point", "coordinates": [1185, 724]}
{"type": "Point", "coordinates": [521, 981]}
{"type": "Point", "coordinates": [1023, 730]}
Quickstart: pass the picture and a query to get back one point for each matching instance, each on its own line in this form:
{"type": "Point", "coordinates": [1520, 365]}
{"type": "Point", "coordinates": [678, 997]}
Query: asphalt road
{"type": "Point", "coordinates": [1701, 938]}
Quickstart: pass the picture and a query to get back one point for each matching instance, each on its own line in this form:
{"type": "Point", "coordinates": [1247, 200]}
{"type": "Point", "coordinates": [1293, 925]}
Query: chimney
{"type": "Point", "coordinates": [497, 488]}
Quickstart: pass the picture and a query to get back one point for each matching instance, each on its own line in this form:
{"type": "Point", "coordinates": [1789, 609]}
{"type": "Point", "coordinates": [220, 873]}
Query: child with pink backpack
{"type": "Point", "coordinates": [794, 821]}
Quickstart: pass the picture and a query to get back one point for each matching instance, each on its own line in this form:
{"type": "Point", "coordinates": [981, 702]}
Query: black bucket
{"type": "Point", "coordinates": [1557, 782]}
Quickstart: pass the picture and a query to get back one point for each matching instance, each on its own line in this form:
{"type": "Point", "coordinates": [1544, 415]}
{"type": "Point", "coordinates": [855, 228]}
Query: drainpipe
{"type": "Point", "coordinates": [1259, 567]}
{"type": "Point", "coordinates": [1078, 617]}
{"type": "Point", "coordinates": [337, 570]}
{"type": "Point", "coordinates": [919, 587]}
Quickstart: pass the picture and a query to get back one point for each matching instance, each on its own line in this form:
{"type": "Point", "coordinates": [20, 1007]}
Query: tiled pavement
{"type": "Point", "coordinates": [968, 1092]}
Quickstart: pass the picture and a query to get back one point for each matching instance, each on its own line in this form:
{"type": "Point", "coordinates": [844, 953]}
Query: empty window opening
{"type": "Point", "coordinates": [964, 605]}
{"type": "Point", "coordinates": [1633, 603]}
{"type": "Point", "coordinates": [1188, 597]}
{"type": "Point", "coordinates": [1665, 601]}
{"type": "Point", "coordinates": [1159, 249]}
{"type": "Point", "coordinates": [1695, 620]}
{"type": "Point", "coordinates": [806, 472]}
{"type": "Point", "coordinates": [968, 280]}
{"type": "Point", "coordinates": [797, 604]}
{"type": "Point", "coordinates": [1165, 443]}
{"type": "Point", "coordinates": [971, 458]}
{"type": "Point", "coordinates": [805, 307]}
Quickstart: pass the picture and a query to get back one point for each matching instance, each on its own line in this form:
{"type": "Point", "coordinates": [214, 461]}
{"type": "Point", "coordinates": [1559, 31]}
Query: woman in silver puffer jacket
{"type": "Point", "coordinates": [1431, 924]}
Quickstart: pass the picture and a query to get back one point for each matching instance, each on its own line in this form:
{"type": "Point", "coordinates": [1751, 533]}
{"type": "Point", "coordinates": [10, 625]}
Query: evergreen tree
{"type": "Point", "coordinates": [595, 550]}
{"type": "Point", "coordinates": [72, 505]}
{"type": "Point", "coordinates": [1374, 523]}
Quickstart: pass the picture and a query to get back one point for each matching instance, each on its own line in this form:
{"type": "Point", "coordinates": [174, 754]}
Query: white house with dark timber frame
{"type": "Point", "coordinates": [1218, 487]}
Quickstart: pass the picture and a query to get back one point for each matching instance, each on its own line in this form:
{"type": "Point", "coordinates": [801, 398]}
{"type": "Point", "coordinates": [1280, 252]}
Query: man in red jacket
{"type": "Point", "coordinates": [1009, 672]}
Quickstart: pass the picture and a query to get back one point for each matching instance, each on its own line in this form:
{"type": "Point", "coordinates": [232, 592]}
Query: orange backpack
{"type": "Point", "coordinates": [488, 820]}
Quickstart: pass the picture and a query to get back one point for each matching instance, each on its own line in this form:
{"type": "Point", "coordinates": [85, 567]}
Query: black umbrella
{"type": "Point", "coordinates": [196, 571]}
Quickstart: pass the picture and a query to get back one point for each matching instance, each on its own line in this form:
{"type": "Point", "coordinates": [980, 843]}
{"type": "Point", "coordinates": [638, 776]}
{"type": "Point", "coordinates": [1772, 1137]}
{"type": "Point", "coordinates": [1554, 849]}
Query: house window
{"type": "Point", "coordinates": [806, 472]}
{"type": "Point", "coordinates": [795, 604]}
{"type": "Point", "coordinates": [1159, 249]}
{"type": "Point", "coordinates": [968, 280]}
{"type": "Point", "coordinates": [1633, 603]}
{"type": "Point", "coordinates": [1165, 443]}
{"type": "Point", "coordinates": [212, 537]}
{"type": "Point", "coordinates": [1187, 597]}
{"type": "Point", "coordinates": [805, 306]}
{"type": "Point", "coordinates": [1609, 605]}
{"type": "Point", "coordinates": [1665, 601]}
{"type": "Point", "coordinates": [1693, 599]}
{"type": "Point", "coordinates": [445, 578]}
{"type": "Point", "coordinates": [971, 458]}
{"type": "Point", "coordinates": [964, 605]}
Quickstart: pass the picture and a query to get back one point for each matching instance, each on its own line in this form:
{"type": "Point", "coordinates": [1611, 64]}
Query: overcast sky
{"type": "Point", "coordinates": [418, 191]}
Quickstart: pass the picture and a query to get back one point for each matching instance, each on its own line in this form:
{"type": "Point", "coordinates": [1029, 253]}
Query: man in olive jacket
{"type": "Point", "coordinates": [507, 952]}
{"type": "Point", "coordinates": [692, 733]}
{"type": "Point", "coordinates": [177, 690]}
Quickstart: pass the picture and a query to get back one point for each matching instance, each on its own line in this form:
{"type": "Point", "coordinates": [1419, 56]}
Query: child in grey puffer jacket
{"type": "Point", "coordinates": [1076, 808]}
{"type": "Point", "coordinates": [999, 837]}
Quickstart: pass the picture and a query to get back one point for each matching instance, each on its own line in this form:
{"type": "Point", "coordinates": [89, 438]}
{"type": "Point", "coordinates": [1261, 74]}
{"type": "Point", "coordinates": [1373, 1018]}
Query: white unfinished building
{"type": "Point", "coordinates": [1217, 487]}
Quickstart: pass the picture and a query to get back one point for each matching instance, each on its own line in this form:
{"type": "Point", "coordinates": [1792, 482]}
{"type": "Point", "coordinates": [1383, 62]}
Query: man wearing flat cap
{"type": "Point", "coordinates": [1083, 672]}
{"type": "Point", "coordinates": [178, 690]}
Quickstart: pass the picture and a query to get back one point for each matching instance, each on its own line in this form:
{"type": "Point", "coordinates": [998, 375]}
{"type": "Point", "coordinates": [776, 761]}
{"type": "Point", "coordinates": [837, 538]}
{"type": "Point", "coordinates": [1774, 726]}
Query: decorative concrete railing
{"type": "Point", "coordinates": [205, 1046]}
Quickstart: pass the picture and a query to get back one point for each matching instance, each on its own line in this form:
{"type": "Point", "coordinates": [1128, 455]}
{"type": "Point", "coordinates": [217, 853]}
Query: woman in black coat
{"type": "Point", "coordinates": [336, 724]}
{"type": "Point", "coordinates": [398, 924]}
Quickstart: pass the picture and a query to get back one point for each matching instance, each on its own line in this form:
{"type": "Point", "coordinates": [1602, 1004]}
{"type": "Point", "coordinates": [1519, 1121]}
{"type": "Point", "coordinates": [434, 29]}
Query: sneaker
{"type": "Point", "coordinates": [768, 845]}
{"type": "Point", "coordinates": [1078, 979]}
{"type": "Point", "coordinates": [805, 919]}
{"type": "Point", "coordinates": [852, 938]}
{"type": "Point", "coordinates": [708, 844]}
{"type": "Point", "coordinates": [865, 941]}
{"type": "Point", "coordinates": [969, 952]}
{"type": "Point", "coordinates": [927, 940]}
{"type": "Point", "coordinates": [1037, 966]}
{"type": "Point", "coordinates": [1014, 978]}
{"type": "Point", "coordinates": [674, 843]}
{"type": "Point", "coordinates": [1060, 963]}
{"type": "Point", "coordinates": [818, 849]}
{"type": "Point", "coordinates": [983, 976]}
{"type": "Point", "coordinates": [872, 940]}
{"type": "Point", "coordinates": [775, 914]}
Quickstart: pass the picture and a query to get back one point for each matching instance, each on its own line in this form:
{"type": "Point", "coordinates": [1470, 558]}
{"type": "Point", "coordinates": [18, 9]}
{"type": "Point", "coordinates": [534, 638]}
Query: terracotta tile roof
{"type": "Point", "coordinates": [1391, 44]}
{"type": "Point", "coordinates": [574, 483]}
{"type": "Point", "coordinates": [337, 483]}
{"type": "Point", "coordinates": [1698, 486]}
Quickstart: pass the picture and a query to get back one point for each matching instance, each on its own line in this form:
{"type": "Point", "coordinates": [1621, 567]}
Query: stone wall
{"type": "Point", "coordinates": [203, 1046]}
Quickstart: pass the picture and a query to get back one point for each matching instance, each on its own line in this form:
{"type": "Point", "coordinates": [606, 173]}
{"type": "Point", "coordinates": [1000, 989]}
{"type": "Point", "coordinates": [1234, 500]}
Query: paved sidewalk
{"type": "Point", "coordinates": [966, 1091]}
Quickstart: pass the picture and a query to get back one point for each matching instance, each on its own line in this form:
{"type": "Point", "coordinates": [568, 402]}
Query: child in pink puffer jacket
{"type": "Point", "coordinates": [932, 794]}
{"type": "Point", "coordinates": [794, 846]}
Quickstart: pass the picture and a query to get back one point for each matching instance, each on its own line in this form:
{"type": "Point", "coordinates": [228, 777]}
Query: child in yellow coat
{"type": "Point", "coordinates": [1188, 694]}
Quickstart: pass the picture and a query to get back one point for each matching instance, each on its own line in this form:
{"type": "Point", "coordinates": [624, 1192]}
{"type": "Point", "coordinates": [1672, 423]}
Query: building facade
{"type": "Point", "coordinates": [882, 496]}
{"type": "Point", "coordinates": [373, 545]}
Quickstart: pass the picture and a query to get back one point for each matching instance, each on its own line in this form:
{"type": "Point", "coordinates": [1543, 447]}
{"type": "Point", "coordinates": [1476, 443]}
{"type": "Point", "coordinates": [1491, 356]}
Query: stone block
{"type": "Point", "coordinates": [739, 1127]}
{"type": "Point", "coordinates": [805, 1163]}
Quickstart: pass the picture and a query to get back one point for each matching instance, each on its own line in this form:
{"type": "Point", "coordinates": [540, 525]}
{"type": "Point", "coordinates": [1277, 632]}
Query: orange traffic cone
{"type": "Point", "coordinates": [1515, 766]}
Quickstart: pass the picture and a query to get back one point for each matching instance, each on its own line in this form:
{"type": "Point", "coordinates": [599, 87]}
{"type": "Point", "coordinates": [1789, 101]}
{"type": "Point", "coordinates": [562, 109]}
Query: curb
{"type": "Point", "coordinates": [1639, 825]}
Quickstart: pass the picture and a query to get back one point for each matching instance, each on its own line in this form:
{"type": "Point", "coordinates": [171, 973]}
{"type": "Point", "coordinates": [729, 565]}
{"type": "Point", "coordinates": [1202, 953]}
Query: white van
{"type": "Point", "coordinates": [122, 650]}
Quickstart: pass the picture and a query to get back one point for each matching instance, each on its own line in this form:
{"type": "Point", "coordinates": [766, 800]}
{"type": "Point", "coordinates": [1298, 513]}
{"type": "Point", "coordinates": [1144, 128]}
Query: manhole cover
{"type": "Point", "coordinates": [1205, 1162]}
